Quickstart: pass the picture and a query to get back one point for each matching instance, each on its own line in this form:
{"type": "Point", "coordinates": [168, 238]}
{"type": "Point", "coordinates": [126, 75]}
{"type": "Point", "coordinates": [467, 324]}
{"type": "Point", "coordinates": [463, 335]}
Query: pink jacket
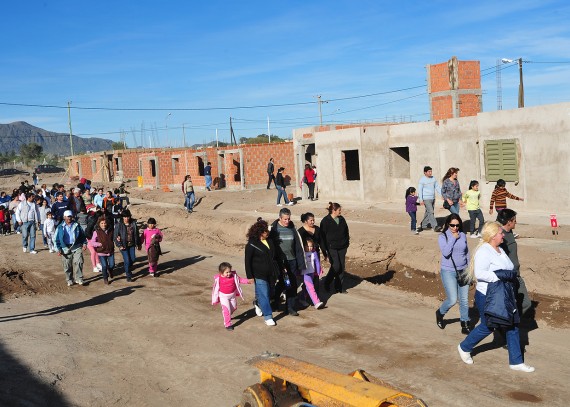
{"type": "Point", "coordinates": [148, 234]}
{"type": "Point", "coordinates": [216, 288]}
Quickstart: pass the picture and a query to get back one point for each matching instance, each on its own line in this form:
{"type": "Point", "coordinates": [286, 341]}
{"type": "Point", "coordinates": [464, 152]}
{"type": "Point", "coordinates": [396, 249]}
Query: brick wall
{"type": "Point", "coordinates": [441, 107]}
{"type": "Point", "coordinates": [171, 165]}
{"type": "Point", "coordinates": [469, 105]}
{"type": "Point", "coordinates": [439, 77]}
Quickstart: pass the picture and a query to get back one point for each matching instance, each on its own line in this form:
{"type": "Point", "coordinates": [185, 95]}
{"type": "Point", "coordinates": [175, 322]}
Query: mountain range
{"type": "Point", "coordinates": [14, 135]}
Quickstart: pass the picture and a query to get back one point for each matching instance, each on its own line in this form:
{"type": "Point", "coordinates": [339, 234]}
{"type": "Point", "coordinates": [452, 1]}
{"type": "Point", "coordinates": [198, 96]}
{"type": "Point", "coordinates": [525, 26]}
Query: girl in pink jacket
{"type": "Point", "coordinates": [151, 237]}
{"type": "Point", "coordinates": [226, 289]}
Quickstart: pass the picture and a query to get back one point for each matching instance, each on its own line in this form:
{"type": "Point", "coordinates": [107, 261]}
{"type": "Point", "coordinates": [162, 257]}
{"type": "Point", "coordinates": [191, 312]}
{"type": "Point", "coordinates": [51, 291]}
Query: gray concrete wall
{"type": "Point", "coordinates": [542, 134]}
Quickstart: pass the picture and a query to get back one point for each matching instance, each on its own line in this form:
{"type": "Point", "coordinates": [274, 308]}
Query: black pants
{"type": "Point", "coordinates": [291, 291]}
{"type": "Point", "coordinates": [336, 272]}
{"type": "Point", "coordinates": [311, 186]}
{"type": "Point", "coordinates": [271, 178]}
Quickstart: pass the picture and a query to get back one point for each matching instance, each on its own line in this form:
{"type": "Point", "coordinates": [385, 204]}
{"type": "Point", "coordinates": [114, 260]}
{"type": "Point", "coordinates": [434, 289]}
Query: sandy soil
{"type": "Point", "coordinates": [159, 342]}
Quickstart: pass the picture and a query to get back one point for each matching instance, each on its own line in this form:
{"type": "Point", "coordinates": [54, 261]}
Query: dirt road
{"type": "Point", "coordinates": [159, 342]}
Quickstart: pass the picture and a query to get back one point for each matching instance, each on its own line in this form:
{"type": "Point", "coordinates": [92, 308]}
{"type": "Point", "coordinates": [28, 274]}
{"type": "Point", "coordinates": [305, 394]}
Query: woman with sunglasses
{"type": "Point", "coordinates": [454, 260]}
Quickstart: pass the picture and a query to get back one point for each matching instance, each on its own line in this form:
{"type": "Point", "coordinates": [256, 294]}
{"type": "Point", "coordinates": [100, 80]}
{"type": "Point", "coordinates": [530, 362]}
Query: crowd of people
{"type": "Point", "coordinates": [78, 219]}
{"type": "Point", "coordinates": [501, 296]}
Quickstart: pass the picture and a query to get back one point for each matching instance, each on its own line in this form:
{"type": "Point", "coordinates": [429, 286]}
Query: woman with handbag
{"type": "Point", "coordinates": [454, 274]}
{"type": "Point", "coordinates": [451, 191]}
{"type": "Point", "coordinates": [261, 265]}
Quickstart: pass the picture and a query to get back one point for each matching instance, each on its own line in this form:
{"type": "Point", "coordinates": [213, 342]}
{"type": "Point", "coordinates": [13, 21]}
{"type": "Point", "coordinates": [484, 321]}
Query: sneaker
{"type": "Point", "coordinates": [18, 232]}
{"type": "Point", "coordinates": [319, 305]}
{"type": "Point", "coordinates": [95, 270]}
{"type": "Point", "coordinates": [270, 322]}
{"type": "Point", "coordinates": [155, 274]}
{"type": "Point", "coordinates": [415, 232]}
{"type": "Point", "coordinates": [99, 266]}
{"type": "Point", "coordinates": [479, 235]}
{"type": "Point", "coordinates": [279, 205]}
{"type": "Point", "coordinates": [258, 310]}
{"type": "Point", "coordinates": [474, 236]}
{"type": "Point", "coordinates": [229, 328]}
{"type": "Point", "coordinates": [24, 249]}
{"type": "Point", "coordinates": [420, 229]}
{"type": "Point", "coordinates": [33, 252]}
{"type": "Point", "coordinates": [466, 356]}
{"type": "Point", "coordinates": [291, 203]}
{"type": "Point", "coordinates": [69, 283]}
{"type": "Point", "coordinates": [437, 229]}
{"type": "Point", "coordinates": [523, 367]}
{"type": "Point", "coordinates": [79, 282]}
{"type": "Point", "coordinates": [51, 251]}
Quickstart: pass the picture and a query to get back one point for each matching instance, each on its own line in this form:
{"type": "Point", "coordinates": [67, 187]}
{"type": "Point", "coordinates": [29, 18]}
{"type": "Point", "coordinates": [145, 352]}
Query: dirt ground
{"type": "Point", "coordinates": [159, 342]}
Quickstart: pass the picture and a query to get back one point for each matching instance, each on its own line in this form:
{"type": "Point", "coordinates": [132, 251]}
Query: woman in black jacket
{"type": "Point", "coordinates": [126, 236]}
{"type": "Point", "coordinates": [260, 264]}
{"type": "Point", "coordinates": [334, 243]}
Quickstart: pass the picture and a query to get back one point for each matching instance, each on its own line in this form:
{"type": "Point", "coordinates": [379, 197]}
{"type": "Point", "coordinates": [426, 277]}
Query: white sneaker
{"type": "Point", "coordinates": [96, 270]}
{"type": "Point", "coordinates": [69, 283]}
{"type": "Point", "coordinates": [18, 232]}
{"type": "Point", "coordinates": [99, 266]}
{"type": "Point", "coordinates": [80, 282]}
{"type": "Point", "coordinates": [523, 367]}
{"type": "Point", "coordinates": [279, 205]}
{"type": "Point", "coordinates": [51, 251]}
{"type": "Point", "coordinates": [24, 249]}
{"type": "Point", "coordinates": [33, 252]}
{"type": "Point", "coordinates": [319, 305]}
{"type": "Point", "coordinates": [291, 203]}
{"type": "Point", "coordinates": [258, 310]}
{"type": "Point", "coordinates": [466, 356]}
{"type": "Point", "coordinates": [270, 322]}
{"type": "Point", "coordinates": [474, 236]}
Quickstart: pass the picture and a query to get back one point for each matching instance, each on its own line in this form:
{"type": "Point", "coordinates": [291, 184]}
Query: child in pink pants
{"type": "Point", "coordinates": [226, 289]}
{"type": "Point", "coordinates": [312, 272]}
{"type": "Point", "coordinates": [151, 237]}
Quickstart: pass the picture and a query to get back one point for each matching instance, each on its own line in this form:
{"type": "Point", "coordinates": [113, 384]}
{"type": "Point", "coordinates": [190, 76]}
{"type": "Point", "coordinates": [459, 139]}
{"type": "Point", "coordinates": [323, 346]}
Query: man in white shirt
{"type": "Point", "coordinates": [28, 217]}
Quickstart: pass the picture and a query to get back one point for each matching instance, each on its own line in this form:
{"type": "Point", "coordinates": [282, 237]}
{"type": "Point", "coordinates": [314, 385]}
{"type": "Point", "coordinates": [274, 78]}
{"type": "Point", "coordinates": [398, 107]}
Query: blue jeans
{"type": "Point", "coordinates": [189, 203]}
{"type": "Point", "coordinates": [16, 225]}
{"type": "Point", "coordinates": [454, 208]}
{"type": "Point", "coordinates": [481, 332]}
{"type": "Point", "coordinates": [107, 263]}
{"type": "Point", "coordinates": [263, 294]}
{"type": "Point", "coordinates": [128, 260]}
{"type": "Point", "coordinates": [44, 238]}
{"type": "Point", "coordinates": [413, 220]}
{"type": "Point", "coordinates": [452, 291]}
{"type": "Point", "coordinates": [473, 215]}
{"type": "Point", "coordinates": [281, 193]}
{"type": "Point", "coordinates": [29, 230]}
{"type": "Point", "coordinates": [208, 179]}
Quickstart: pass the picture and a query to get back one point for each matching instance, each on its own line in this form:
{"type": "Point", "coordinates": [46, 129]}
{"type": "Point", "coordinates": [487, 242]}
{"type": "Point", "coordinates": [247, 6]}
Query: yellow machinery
{"type": "Point", "coordinates": [288, 382]}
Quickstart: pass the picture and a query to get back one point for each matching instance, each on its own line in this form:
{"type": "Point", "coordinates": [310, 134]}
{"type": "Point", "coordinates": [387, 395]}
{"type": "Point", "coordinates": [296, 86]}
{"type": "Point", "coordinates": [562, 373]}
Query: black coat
{"type": "Point", "coordinates": [334, 236]}
{"type": "Point", "coordinates": [298, 247]}
{"type": "Point", "coordinates": [260, 261]}
{"type": "Point", "coordinates": [500, 302]}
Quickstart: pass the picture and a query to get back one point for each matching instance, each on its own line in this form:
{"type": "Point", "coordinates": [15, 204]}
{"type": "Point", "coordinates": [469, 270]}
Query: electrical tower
{"type": "Point", "coordinates": [499, 86]}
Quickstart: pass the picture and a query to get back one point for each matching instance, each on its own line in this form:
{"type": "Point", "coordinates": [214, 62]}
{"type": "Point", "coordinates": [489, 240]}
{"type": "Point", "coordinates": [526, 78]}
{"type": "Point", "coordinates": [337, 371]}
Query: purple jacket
{"type": "Point", "coordinates": [411, 203]}
{"type": "Point", "coordinates": [450, 246]}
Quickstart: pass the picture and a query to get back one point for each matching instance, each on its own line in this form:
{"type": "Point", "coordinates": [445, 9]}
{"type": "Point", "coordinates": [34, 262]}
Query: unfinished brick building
{"type": "Point", "coordinates": [454, 89]}
{"type": "Point", "coordinates": [233, 167]}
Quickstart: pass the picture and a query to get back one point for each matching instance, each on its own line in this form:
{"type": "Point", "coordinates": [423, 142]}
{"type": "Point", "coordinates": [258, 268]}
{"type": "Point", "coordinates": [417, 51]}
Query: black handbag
{"type": "Point", "coordinates": [462, 276]}
{"type": "Point", "coordinates": [446, 204]}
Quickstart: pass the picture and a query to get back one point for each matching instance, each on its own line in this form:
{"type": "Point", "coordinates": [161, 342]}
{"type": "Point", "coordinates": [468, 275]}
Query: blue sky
{"type": "Point", "coordinates": [217, 56]}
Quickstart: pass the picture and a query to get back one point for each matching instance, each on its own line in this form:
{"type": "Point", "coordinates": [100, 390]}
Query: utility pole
{"type": "Point", "coordinates": [268, 130]}
{"type": "Point", "coordinates": [521, 87]}
{"type": "Point", "coordinates": [320, 102]}
{"type": "Point", "coordinates": [70, 131]}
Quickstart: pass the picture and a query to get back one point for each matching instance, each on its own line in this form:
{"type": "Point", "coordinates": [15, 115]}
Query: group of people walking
{"type": "Point", "coordinates": [280, 259]}
{"type": "Point", "coordinates": [74, 221]}
{"type": "Point", "coordinates": [501, 297]}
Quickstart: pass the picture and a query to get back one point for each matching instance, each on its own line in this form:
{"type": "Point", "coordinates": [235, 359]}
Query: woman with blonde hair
{"type": "Point", "coordinates": [494, 297]}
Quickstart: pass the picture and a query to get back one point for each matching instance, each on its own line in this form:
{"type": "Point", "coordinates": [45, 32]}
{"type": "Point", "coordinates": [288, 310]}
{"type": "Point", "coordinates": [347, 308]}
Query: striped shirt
{"type": "Point", "coordinates": [499, 198]}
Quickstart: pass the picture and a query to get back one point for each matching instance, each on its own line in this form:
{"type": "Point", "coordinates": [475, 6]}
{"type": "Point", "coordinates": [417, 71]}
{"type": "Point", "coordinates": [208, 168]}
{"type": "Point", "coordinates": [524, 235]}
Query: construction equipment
{"type": "Point", "coordinates": [288, 382]}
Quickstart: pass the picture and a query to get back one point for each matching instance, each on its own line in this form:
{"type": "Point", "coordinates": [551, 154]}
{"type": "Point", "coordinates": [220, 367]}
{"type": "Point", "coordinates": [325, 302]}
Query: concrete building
{"type": "Point", "coordinates": [529, 148]}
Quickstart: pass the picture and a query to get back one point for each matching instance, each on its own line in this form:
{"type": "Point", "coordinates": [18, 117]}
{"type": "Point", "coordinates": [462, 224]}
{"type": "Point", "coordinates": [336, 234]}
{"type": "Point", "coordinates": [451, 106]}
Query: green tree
{"type": "Point", "coordinates": [29, 152]}
{"type": "Point", "coordinates": [118, 145]}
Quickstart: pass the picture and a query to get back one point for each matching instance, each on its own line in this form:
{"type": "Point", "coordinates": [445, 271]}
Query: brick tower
{"type": "Point", "coordinates": [454, 89]}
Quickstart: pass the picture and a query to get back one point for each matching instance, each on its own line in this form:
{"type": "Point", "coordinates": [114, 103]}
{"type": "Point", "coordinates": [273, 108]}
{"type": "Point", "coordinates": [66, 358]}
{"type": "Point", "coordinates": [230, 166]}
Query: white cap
{"type": "Point", "coordinates": [67, 213]}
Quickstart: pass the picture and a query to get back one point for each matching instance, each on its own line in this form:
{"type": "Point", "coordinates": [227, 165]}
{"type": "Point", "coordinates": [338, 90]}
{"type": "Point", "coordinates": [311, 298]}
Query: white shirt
{"type": "Point", "coordinates": [486, 261]}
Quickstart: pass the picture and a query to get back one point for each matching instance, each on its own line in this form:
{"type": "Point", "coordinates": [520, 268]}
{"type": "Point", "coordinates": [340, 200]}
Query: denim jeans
{"type": "Point", "coordinates": [263, 294]}
{"type": "Point", "coordinates": [481, 332]}
{"type": "Point", "coordinates": [29, 231]}
{"type": "Point", "coordinates": [454, 208]}
{"type": "Point", "coordinates": [413, 220]}
{"type": "Point", "coordinates": [189, 203]}
{"type": "Point", "coordinates": [429, 216]}
{"type": "Point", "coordinates": [452, 291]}
{"type": "Point", "coordinates": [128, 260]}
{"type": "Point", "coordinates": [473, 215]}
{"type": "Point", "coordinates": [44, 238]}
{"type": "Point", "coordinates": [208, 179]}
{"type": "Point", "coordinates": [107, 263]}
{"type": "Point", "coordinates": [281, 193]}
